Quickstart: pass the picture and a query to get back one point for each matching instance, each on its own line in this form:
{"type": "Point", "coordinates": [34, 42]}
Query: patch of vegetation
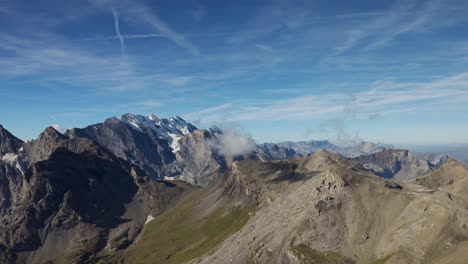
{"type": "Point", "coordinates": [382, 260]}
{"type": "Point", "coordinates": [180, 234]}
{"type": "Point", "coordinates": [67, 259]}
{"type": "Point", "coordinates": [307, 255]}
{"type": "Point", "coordinates": [252, 259]}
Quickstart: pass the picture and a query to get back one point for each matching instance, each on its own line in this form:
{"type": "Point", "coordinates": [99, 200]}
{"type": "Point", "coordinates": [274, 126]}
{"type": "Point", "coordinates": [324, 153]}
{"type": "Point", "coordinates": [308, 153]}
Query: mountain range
{"type": "Point", "coordinates": [143, 189]}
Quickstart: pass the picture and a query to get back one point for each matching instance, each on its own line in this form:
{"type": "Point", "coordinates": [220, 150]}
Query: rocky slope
{"type": "Point", "coordinates": [8, 142]}
{"type": "Point", "coordinates": [163, 148]}
{"type": "Point", "coordinates": [325, 209]}
{"type": "Point", "coordinates": [74, 200]}
{"type": "Point", "coordinates": [307, 148]}
{"type": "Point", "coordinates": [319, 209]}
{"type": "Point", "coordinates": [400, 164]}
{"type": "Point", "coordinates": [96, 195]}
{"type": "Point", "coordinates": [270, 151]}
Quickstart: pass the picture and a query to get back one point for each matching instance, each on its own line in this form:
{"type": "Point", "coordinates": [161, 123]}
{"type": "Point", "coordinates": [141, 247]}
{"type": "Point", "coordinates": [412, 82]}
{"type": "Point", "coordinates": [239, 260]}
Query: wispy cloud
{"type": "Point", "coordinates": [137, 11]}
{"type": "Point", "coordinates": [403, 17]}
{"type": "Point", "coordinates": [58, 128]}
{"type": "Point", "coordinates": [384, 98]}
{"type": "Point", "coordinates": [282, 15]}
{"type": "Point", "coordinates": [150, 104]}
{"type": "Point", "coordinates": [117, 30]}
{"type": "Point", "coordinates": [128, 36]}
{"type": "Point", "coordinates": [198, 14]}
{"type": "Point", "coordinates": [264, 47]}
{"type": "Point", "coordinates": [284, 91]}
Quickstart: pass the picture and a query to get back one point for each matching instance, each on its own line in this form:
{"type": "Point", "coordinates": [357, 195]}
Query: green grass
{"type": "Point", "coordinates": [67, 259]}
{"type": "Point", "coordinates": [383, 260]}
{"type": "Point", "coordinates": [180, 235]}
{"type": "Point", "coordinates": [307, 255]}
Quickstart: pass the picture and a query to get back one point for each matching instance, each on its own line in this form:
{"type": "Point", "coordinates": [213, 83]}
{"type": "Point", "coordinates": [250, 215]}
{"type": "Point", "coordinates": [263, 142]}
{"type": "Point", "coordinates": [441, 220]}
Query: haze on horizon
{"type": "Point", "coordinates": [394, 72]}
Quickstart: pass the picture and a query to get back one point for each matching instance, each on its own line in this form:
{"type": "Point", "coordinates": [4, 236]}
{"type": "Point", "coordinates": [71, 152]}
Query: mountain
{"type": "Point", "coordinates": [163, 148]}
{"type": "Point", "coordinates": [75, 199]}
{"type": "Point", "coordinates": [137, 189]}
{"type": "Point", "coordinates": [451, 177]}
{"type": "Point", "coordinates": [400, 164]}
{"type": "Point", "coordinates": [8, 142]}
{"type": "Point", "coordinates": [270, 151]}
{"type": "Point", "coordinates": [309, 147]}
{"type": "Point", "coordinates": [381, 159]}
{"type": "Point", "coordinates": [457, 151]}
{"type": "Point", "coordinates": [318, 209]}
{"type": "Point", "coordinates": [434, 158]}
{"type": "Point", "coordinates": [306, 148]}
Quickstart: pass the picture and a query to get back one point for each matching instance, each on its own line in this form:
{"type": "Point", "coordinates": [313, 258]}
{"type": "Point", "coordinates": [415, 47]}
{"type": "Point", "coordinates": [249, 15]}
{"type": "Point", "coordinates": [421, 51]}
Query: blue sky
{"type": "Point", "coordinates": [383, 71]}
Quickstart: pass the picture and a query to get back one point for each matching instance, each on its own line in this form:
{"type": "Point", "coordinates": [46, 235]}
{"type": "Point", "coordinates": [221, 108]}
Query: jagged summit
{"type": "Point", "coordinates": [173, 125]}
{"type": "Point", "coordinates": [453, 162]}
{"type": "Point", "coordinates": [8, 142]}
{"type": "Point", "coordinates": [398, 163]}
{"type": "Point", "coordinates": [51, 132]}
{"type": "Point", "coordinates": [350, 150]}
{"type": "Point", "coordinates": [171, 129]}
{"type": "Point", "coordinates": [104, 190]}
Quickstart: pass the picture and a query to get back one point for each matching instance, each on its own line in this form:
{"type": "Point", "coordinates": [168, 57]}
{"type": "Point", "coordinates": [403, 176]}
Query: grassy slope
{"type": "Point", "coordinates": [307, 255]}
{"type": "Point", "coordinates": [184, 233]}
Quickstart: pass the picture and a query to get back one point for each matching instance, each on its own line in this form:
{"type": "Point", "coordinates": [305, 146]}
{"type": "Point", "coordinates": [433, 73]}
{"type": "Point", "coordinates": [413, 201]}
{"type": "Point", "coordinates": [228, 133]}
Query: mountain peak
{"type": "Point", "coordinates": [51, 132]}
{"type": "Point", "coordinates": [173, 125]}
{"type": "Point", "coordinates": [8, 142]}
{"type": "Point", "coordinates": [323, 153]}
{"type": "Point", "coordinates": [451, 162]}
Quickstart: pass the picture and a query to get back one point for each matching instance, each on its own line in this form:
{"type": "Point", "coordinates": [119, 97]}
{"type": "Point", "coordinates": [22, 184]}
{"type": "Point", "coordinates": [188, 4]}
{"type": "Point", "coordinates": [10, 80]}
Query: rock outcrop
{"type": "Point", "coordinates": [398, 164]}
{"type": "Point", "coordinates": [8, 142]}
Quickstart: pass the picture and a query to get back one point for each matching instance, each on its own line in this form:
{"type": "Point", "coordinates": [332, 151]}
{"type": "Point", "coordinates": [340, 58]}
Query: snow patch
{"type": "Point", "coordinates": [175, 142]}
{"type": "Point", "coordinates": [149, 218]}
{"type": "Point", "coordinates": [10, 158]}
{"type": "Point", "coordinates": [172, 129]}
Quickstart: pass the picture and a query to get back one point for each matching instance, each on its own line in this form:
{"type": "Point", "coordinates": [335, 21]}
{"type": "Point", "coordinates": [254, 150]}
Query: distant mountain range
{"type": "Point", "coordinates": [381, 159]}
{"type": "Point", "coordinates": [305, 148]}
{"type": "Point", "coordinates": [143, 189]}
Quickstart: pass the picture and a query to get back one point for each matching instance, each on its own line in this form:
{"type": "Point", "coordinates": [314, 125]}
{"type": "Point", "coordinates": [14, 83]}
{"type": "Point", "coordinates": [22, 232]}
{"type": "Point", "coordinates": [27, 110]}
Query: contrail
{"type": "Point", "coordinates": [117, 30]}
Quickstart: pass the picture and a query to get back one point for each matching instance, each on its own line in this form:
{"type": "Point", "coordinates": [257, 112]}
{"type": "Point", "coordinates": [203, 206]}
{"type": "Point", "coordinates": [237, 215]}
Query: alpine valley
{"type": "Point", "coordinates": [143, 189]}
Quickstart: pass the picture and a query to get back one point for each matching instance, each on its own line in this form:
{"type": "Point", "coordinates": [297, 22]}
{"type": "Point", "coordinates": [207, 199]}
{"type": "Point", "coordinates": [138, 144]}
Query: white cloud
{"type": "Point", "coordinates": [403, 17]}
{"type": "Point", "coordinates": [282, 15]}
{"type": "Point", "coordinates": [117, 30]}
{"type": "Point", "coordinates": [178, 80]}
{"type": "Point", "coordinates": [150, 104]}
{"type": "Point", "coordinates": [381, 97]}
{"type": "Point", "coordinates": [137, 11]}
{"type": "Point", "coordinates": [198, 14]}
{"type": "Point", "coordinates": [133, 11]}
{"type": "Point", "coordinates": [264, 47]}
{"type": "Point", "coordinates": [58, 128]}
{"type": "Point", "coordinates": [233, 142]}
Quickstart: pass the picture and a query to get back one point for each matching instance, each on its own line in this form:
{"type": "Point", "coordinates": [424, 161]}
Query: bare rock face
{"type": "Point", "coordinates": [398, 164]}
{"type": "Point", "coordinates": [91, 196]}
{"type": "Point", "coordinates": [307, 148]}
{"type": "Point", "coordinates": [143, 147]}
{"type": "Point", "coordinates": [325, 209]}
{"type": "Point", "coordinates": [11, 168]}
{"type": "Point", "coordinates": [198, 160]}
{"type": "Point", "coordinates": [164, 148]}
{"type": "Point", "coordinates": [276, 152]}
{"type": "Point", "coordinates": [8, 142]}
{"type": "Point", "coordinates": [41, 148]}
{"type": "Point", "coordinates": [10, 182]}
{"type": "Point", "coordinates": [73, 198]}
